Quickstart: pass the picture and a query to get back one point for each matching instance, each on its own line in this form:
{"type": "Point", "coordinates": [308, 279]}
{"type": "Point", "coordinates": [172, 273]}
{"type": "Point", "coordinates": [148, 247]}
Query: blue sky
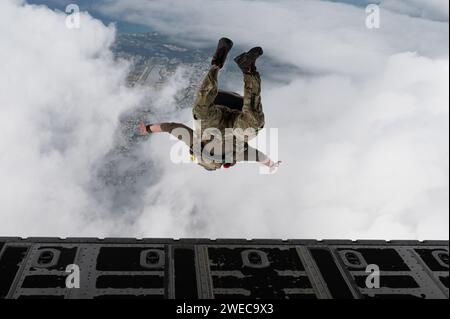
{"type": "Point", "coordinates": [87, 5]}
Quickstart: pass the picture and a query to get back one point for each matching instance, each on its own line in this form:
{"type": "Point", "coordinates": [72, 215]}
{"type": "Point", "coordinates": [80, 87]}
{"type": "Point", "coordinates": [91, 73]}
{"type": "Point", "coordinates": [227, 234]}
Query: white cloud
{"type": "Point", "coordinates": [425, 9]}
{"type": "Point", "coordinates": [428, 9]}
{"type": "Point", "coordinates": [61, 94]}
{"type": "Point", "coordinates": [363, 125]}
{"type": "Point", "coordinates": [315, 36]}
{"type": "Point", "coordinates": [364, 160]}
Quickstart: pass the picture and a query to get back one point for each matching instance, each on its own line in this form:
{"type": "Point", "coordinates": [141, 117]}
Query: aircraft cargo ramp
{"type": "Point", "coordinates": [222, 268]}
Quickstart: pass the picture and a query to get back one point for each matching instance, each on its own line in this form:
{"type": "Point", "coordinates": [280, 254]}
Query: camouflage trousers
{"type": "Point", "coordinates": [221, 117]}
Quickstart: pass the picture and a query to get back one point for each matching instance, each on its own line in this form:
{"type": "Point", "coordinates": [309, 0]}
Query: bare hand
{"type": "Point", "coordinates": [274, 167]}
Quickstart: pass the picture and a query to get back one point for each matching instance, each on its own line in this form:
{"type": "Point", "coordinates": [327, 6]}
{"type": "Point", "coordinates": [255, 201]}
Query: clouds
{"type": "Point", "coordinates": [367, 152]}
{"type": "Point", "coordinates": [61, 94]}
{"type": "Point", "coordinates": [362, 160]}
{"type": "Point", "coordinates": [432, 9]}
{"type": "Point", "coordinates": [362, 117]}
{"type": "Point", "coordinates": [316, 36]}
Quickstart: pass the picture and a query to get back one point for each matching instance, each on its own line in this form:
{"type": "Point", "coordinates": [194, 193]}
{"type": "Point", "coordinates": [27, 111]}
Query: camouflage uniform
{"type": "Point", "coordinates": [186, 134]}
{"type": "Point", "coordinates": [221, 117]}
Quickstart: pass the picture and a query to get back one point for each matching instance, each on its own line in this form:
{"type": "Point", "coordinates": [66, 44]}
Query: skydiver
{"type": "Point", "coordinates": [227, 120]}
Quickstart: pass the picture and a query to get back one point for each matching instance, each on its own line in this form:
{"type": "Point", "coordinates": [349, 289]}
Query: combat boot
{"type": "Point", "coordinates": [246, 61]}
{"type": "Point", "coordinates": [223, 48]}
